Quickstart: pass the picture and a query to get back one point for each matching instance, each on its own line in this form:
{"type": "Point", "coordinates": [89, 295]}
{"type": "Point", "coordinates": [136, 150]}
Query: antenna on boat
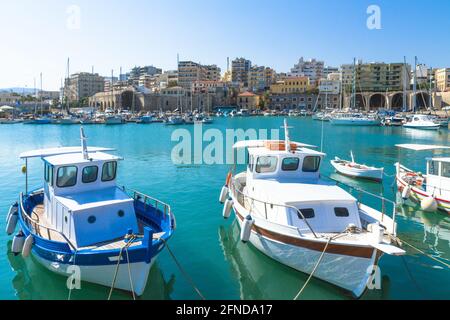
{"type": "Point", "coordinates": [83, 144]}
{"type": "Point", "coordinates": [286, 136]}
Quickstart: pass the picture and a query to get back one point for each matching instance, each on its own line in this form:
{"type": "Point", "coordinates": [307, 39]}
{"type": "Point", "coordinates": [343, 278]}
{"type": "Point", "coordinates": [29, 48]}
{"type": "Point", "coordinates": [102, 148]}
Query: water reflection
{"type": "Point", "coordinates": [34, 282]}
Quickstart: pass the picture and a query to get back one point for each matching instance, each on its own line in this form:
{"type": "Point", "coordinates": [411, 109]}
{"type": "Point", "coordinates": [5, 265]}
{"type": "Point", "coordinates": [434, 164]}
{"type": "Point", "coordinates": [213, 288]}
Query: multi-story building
{"type": "Point", "coordinates": [212, 72]}
{"type": "Point", "coordinates": [329, 70]}
{"type": "Point", "coordinates": [260, 78]}
{"type": "Point", "coordinates": [442, 77]}
{"type": "Point", "coordinates": [109, 81]}
{"type": "Point", "coordinates": [48, 95]}
{"type": "Point", "coordinates": [137, 72]}
{"type": "Point", "coordinates": [9, 99]}
{"type": "Point", "coordinates": [375, 76]}
{"type": "Point", "coordinates": [329, 86]}
{"type": "Point", "coordinates": [167, 79]}
{"type": "Point", "coordinates": [312, 69]}
{"type": "Point", "coordinates": [82, 85]}
{"type": "Point", "coordinates": [291, 85]}
{"type": "Point", "coordinates": [303, 101]}
{"type": "Point", "coordinates": [240, 68]}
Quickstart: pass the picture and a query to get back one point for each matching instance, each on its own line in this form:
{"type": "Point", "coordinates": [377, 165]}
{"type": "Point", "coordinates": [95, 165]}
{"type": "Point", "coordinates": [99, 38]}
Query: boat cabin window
{"type": "Point", "coordinates": [311, 164]}
{"type": "Point", "coordinates": [266, 164]}
{"type": "Point", "coordinates": [67, 177]}
{"type": "Point", "coordinates": [445, 171]}
{"type": "Point", "coordinates": [433, 168]}
{"type": "Point", "coordinates": [341, 212]}
{"type": "Point", "coordinates": [48, 174]}
{"type": "Point", "coordinates": [109, 171]}
{"type": "Point", "coordinates": [90, 174]}
{"type": "Point", "coordinates": [290, 164]}
{"type": "Point", "coordinates": [307, 213]}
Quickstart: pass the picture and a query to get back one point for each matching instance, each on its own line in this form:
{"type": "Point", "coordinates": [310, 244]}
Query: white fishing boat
{"type": "Point", "coordinates": [288, 212]}
{"type": "Point", "coordinates": [80, 219]}
{"type": "Point", "coordinates": [175, 120]}
{"type": "Point", "coordinates": [67, 121]}
{"type": "Point", "coordinates": [423, 122]}
{"type": "Point", "coordinates": [113, 120]}
{"type": "Point", "coordinates": [432, 190]}
{"type": "Point", "coordinates": [356, 170]}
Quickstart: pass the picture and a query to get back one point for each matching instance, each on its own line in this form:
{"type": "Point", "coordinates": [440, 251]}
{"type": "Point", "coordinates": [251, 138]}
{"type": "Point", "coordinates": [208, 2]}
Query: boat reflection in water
{"type": "Point", "coordinates": [34, 282]}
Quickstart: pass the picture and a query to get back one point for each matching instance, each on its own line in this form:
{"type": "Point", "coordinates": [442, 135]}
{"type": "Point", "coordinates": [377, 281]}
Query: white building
{"type": "Point", "coordinates": [312, 69]}
{"type": "Point", "coordinates": [330, 86]}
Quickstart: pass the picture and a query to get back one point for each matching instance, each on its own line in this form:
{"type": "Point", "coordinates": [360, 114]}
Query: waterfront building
{"type": "Point", "coordinates": [168, 79]}
{"type": "Point", "coordinates": [240, 68]}
{"type": "Point", "coordinates": [313, 69]}
{"type": "Point", "coordinates": [329, 86]}
{"type": "Point", "coordinates": [137, 72]}
{"type": "Point", "coordinates": [9, 99]}
{"type": "Point", "coordinates": [375, 76]}
{"type": "Point", "coordinates": [442, 77]}
{"type": "Point", "coordinates": [248, 100]}
{"type": "Point", "coordinates": [260, 78]}
{"type": "Point", "coordinates": [109, 81]}
{"type": "Point", "coordinates": [290, 85]}
{"type": "Point", "coordinates": [329, 70]}
{"type": "Point", "coordinates": [83, 85]}
{"type": "Point", "coordinates": [48, 95]}
{"type": "Point", "coordinates": [189, 72]}
{"type": "Point", "coordinates": [305, 101]}
{"type": "Point", "coordinates": [227, 76]}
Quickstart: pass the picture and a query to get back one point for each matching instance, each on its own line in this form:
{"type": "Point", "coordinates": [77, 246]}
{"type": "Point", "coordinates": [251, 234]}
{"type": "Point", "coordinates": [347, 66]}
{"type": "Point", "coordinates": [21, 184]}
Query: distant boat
{"type": "Point", "coordinates": [67, 121]}
{"type": "Point", "coordinates": [113, 120]}
{"type": "Point", "coordinates": [422, 121]}
{"type": "Point", "coordinates": [41, 120]}
{"type": "Point", "coordinates": [355, 119]}
{"type": "Point", "coordinates": [356, 170]}
{"type": "Point", "coordinates": [174, 120]}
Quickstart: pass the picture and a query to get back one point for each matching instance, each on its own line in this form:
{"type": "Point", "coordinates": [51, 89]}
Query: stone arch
{"type": "Point", "coordinates": [377, 101]}
{"type": "Point", "coordinates": [360, 101]}
{"type": "Point", "coordinates": [397, 102]}
{"type": "Point", "coordinates": [127, 99]}
{"type": "Point", "coordinates": [422, 100]}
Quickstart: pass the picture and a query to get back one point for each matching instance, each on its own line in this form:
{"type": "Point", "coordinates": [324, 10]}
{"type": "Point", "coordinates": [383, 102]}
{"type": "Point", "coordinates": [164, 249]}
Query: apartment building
{"type": "Point", "coordinates": [291, 85]}
{"type": "Point", "coordinates": [442, 77]}
{"type": "Point", "coordinates": [82, 85]}
{"type": "Point", "coordinates": [240, 68]}
{"type": "Point", "coordinates": [313, 69]}
{"type": "Point", "coordinates": [189, 72]}
{"type": "Point", "coordinates": [261, 78]}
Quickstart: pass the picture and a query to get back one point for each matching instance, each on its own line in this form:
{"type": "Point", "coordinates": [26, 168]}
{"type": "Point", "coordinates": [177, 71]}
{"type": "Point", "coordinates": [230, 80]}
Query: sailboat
{"type": "Point", "coordinates": [42, 119]}
{"type": "Point", "coordinates": [356, 170]}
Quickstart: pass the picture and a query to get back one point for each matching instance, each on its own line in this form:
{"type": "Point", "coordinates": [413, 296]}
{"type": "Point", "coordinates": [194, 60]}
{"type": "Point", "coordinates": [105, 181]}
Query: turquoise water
{"type": "Point", "coordinates": [206, 245]}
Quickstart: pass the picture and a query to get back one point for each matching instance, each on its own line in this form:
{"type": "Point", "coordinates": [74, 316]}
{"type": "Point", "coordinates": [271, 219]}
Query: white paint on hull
{"type": "Point", "coordinates": [104, 274]}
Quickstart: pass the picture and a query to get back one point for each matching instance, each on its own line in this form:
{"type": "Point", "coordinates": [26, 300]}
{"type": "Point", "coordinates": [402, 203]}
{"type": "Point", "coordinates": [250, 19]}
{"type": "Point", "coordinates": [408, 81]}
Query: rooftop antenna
{"type": "Point", "coordinates": [83, 144]}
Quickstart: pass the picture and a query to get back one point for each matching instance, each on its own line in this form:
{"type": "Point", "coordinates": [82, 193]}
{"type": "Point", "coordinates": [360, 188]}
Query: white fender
{"type": "Point", "coordinates": [29, 241]}
{"type": "Point", "coordinates": [429, 204]}
{"type": "Point", "coordinates": [406, 192]}
{"type": "Point", "coordinates": [12, 223]}
{"type": "Point", "coordinates": [223, 194]}
{"type": "Point", "coordinates": [13, 209]}
{"type": "Point", "coordinates": [17, 243]}
{"type": "Point", "coordinates": [246, 229]}
{"type": "Point", "coordinates": [227, 208]}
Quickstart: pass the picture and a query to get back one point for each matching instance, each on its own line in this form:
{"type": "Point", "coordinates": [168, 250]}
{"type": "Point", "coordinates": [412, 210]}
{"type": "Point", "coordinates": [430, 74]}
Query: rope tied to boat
{"type": "Point", "coordinates": [130, 239]}
{"type": "Point", "coordinates": [314, 269]}
{"type": "Point", "coordinates": [183, 272]}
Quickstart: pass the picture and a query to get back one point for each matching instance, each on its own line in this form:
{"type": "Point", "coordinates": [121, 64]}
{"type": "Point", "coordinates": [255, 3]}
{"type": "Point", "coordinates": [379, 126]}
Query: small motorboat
{"type": "Point", "coordinates": [356, 170]}
{"type": "Point", "coordinates": [423, 122]}
{"type": "Point", "coordinates": [432, 190]}
{"type": "Point", "coordinates": [288, 211]}
{"type": "Point", "coordinates": [113, 120]}
{"type": "Point", "coordinates": [174, 121]}
{"type": "Point", "coordinates": [81, 219]}
{"type": "Point", "coordinates": [356, 119]}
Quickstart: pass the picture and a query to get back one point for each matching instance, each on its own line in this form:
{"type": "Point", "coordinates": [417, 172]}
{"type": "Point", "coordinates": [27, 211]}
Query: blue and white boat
{"type": "Point", "coordinates": [82, 219]}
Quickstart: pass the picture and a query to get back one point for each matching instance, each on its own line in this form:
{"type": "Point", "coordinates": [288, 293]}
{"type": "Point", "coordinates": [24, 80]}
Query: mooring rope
{"type": "Point", "coordinates": [129, 275]}
{"type": "Point", "coordinates": [424, 253]}
{"type": "Point", "coordinates": [314, 270]}
{"type": "Point", "coordinates": [183, 272]}
{"type": "Point", "coordinates": [130, 241]}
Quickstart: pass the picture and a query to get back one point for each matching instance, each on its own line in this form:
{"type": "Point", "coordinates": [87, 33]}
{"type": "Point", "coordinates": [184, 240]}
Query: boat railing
{"type": "Point", "coordinates": [37, 228]}
{"type": "Point", "coordinates": [360, 192]}
{"type": "Point", "coordinates": [146, 200]}
{"type": "Point", "coordinates": [238, 193]}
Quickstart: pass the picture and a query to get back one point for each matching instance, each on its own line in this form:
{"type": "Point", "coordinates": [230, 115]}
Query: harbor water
{"type": "Point", "coordinates": [207, 246]}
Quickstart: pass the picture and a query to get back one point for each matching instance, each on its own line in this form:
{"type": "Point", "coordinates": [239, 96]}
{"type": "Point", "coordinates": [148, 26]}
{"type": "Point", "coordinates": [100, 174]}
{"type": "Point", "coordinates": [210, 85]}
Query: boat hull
{"type": "Point", "coordinates": [422, 127]}
{"type": "Point", "coordinates": [104, 274]}
{"type": "Point", "coordinates": [349, 270]}
{"type": "Point", "coordinates": [355, 122]}
{"type": "Point", "coordinates": [369, 174]}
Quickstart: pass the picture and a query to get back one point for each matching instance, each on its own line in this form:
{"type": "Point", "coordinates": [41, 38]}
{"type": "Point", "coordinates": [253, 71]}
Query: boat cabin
{"type": "Point", "coordinates": [81, 198]}
{"type": "Point", "coordinates": [287, 187]}
{"type": "Point", "coordinates": [438, 176]}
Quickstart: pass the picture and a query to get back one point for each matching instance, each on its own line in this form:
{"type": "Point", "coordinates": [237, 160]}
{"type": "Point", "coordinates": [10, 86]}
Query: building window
{"type": "Point", "coordinates": [109, 171]}
{"type": "Point", "coordinates": [67, 177]}
{"type": "Point", "coordinates": [90, 174]}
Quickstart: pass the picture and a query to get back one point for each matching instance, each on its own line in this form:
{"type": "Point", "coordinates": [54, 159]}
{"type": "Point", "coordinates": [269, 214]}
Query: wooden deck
{"type": "Point", "coordinates": [40, 218]}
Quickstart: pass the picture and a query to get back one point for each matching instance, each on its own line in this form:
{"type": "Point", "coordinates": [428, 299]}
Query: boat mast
{"type": "Point", "coordinates": [404, 84]}
{"type": "Point", "coordinates": [35, 96]}
{"type": "Point", "coordinates": [68, 82]}
{"type": "Point", "coordinates": [83, 144]}
{"type": "Point", "coordinates": [430, 92]}
{"type": "Point", "coordinates": [286, 136]}
{"type": "Point", "coordinates": [42, 108]}
{"type": "Point", "coordinates": [353, 104]}
{"type": "Point", "coordinates": [415, 85]}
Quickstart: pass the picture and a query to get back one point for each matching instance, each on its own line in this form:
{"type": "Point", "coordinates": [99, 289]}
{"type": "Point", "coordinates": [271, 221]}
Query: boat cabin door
{"type": "Point", "coordinates": [438, 178]}
{"type": "Point", "coordinates": [49, 180]}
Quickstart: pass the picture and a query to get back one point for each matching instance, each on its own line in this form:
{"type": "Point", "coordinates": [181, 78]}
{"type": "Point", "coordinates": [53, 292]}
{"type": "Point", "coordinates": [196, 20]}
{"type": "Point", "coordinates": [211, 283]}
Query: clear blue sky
{"type": "Point", "coordinates": [114, 33]}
